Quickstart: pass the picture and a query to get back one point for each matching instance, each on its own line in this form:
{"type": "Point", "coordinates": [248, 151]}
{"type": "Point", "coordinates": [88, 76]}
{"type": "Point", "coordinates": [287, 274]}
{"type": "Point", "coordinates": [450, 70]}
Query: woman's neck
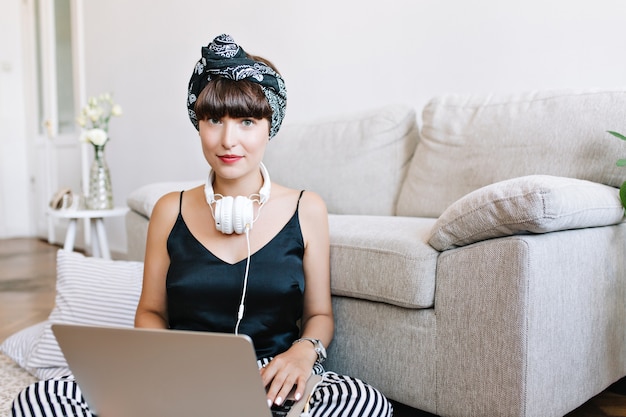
{"type": "Point", "coordinates": [244, 186]}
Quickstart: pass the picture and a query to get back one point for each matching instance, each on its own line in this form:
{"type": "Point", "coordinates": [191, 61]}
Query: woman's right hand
{"type": "Point", "coordinates": [289, 369]}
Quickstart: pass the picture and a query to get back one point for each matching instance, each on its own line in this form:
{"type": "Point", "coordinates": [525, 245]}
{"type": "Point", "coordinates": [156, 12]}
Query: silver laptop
{"type": "Point", "coordinates": [126, 372]}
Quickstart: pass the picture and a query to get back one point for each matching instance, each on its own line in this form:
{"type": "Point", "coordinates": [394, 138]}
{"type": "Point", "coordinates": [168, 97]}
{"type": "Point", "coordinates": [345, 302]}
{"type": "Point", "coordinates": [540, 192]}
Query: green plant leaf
{"type": "Point", "coordinates": [617, 135]}
{"type": "Point", "coordinates": [621, 163]}
{"type": "Point", "coordinates": [622, 194]}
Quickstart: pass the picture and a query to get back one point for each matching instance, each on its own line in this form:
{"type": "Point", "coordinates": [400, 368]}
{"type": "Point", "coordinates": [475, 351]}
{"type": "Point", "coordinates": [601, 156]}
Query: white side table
{"type": "Point", "coordinates": [99, 243]}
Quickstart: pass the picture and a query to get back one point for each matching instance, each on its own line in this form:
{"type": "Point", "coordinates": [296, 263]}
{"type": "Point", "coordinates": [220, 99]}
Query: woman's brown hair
{"type": "Point", "coordinates": [226, 97]}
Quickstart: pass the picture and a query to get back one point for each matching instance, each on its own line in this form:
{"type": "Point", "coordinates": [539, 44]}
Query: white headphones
{"type": "Point", "coordinates": [236, 214]}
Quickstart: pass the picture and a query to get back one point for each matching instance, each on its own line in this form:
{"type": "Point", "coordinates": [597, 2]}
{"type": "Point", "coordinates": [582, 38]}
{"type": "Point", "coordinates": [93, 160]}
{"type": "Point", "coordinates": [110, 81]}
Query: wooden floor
{"type": "Point", "coordinates": [27, 277]}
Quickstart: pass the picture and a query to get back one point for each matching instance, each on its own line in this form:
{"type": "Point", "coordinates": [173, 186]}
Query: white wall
{"type": "Point", "coordinates": [15, 190]}
{"type": "Point", "coordinates": [336, 57]}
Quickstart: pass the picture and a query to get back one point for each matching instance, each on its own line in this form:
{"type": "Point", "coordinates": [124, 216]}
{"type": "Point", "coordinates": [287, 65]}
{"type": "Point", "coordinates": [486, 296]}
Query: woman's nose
{"type": "Point", "coordinates": [228, 139]}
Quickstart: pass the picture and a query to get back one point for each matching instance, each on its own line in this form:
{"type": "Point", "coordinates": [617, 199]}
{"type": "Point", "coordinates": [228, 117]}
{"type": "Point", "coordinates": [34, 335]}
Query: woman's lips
{"type": "Point", "coordinates": [230, 159]}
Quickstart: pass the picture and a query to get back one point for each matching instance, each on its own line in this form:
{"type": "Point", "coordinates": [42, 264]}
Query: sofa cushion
{"type": "Point", "coordinates": [19, 345]}
{"type": "Point", "coordinates": [535, 204]}
{"type": "Point", "coordinates": [143, 199]}
{"type": "Point", "coordinates": [383, 259]}
{"type": "Point", "coordinates": [468, 142]}
{"type": "Point", "coordinates": [356, 162]}
{"type": "Point", "coordinates": [91, 291]}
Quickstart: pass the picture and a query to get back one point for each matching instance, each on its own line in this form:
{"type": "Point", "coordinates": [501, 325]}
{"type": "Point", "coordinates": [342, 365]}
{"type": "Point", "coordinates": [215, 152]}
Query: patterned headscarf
{"type": "Point", "coordinates": [224, 58]}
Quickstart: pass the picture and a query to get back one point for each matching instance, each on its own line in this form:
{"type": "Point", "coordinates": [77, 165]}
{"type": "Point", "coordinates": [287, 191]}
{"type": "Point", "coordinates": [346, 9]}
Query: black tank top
{"type": "Point", "coordinates": [204, 292]}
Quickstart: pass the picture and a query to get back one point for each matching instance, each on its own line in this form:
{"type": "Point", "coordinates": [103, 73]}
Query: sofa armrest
{"type": "Point", "coordinates": [136, 234]}
{"type": "Point", "coordinates": [529, 204]}
{"type": "Point", "coordinates": [532, 317]}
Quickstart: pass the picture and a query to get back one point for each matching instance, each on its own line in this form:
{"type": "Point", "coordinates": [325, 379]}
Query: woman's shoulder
{"type": "Point", "coordinates": [312, 202]}
{"type": "Point", "coordinates": [312, 214]}
{"type": "Point", "coordinates": [170, 203]}
{"type": "Point", "coordinates": [310, 205]}
{"type": "Point", "coordinates": [306, 200]}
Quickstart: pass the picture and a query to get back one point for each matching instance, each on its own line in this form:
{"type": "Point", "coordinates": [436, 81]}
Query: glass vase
{"type": "Point", "coordinates": [100, 195]}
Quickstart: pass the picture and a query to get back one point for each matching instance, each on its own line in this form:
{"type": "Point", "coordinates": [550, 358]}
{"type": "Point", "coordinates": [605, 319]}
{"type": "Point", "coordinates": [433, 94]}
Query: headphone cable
{"type": "Point", "coordinates": [245, 283]}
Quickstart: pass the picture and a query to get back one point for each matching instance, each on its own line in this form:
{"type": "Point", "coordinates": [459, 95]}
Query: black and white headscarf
{"type": "Point", "coordinates": [224, 58]}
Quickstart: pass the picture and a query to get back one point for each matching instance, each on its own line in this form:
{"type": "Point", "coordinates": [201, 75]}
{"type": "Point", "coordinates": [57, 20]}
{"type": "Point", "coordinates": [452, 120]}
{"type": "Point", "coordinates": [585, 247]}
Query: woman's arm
{"type": "Point", "coordinates": [317, 318]}
{"type": "Point", "coordinates": [152, 307]}
{"type": "Point", "coordinates": [294, 366]}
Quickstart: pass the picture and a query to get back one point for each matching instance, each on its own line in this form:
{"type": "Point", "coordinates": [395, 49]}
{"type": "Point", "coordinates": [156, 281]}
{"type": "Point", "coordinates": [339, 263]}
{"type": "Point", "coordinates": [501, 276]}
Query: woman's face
{"type": "Point", "coordinates": [234, 147]}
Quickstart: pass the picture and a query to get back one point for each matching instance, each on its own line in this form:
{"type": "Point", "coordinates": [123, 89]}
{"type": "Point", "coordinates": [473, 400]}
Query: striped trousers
{"type": "Point", "coordinates": [335, 396]}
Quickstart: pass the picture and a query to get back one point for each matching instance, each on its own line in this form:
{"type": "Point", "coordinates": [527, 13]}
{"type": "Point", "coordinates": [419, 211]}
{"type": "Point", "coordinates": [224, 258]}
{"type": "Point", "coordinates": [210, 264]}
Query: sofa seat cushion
{"type": "Point", "coordinates": [471, 141]}
{"type": "Point", "coordinates": [383, 259]}
{"type": "Point", "coordinates": [530, 204]}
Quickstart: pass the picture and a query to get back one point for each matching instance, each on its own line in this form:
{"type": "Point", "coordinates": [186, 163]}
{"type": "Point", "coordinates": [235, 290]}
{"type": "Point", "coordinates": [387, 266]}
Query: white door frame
{"type": "Point", "coordinates": [80, 91]}
{"type": "Point", "coordinates": [58, 160]}
{"type": "Point", "coordinates": [16, 219]}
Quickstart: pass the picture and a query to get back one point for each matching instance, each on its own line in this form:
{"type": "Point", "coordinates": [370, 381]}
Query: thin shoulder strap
{"type": "Point", "coordinates": [299, 197]}
{"type": "Point", "coordinates": [180, 203]}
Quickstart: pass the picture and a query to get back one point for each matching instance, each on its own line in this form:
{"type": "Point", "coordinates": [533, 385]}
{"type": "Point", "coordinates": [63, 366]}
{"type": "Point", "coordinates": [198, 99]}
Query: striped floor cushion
{"type": "Point", "coordinates": [89, 291]}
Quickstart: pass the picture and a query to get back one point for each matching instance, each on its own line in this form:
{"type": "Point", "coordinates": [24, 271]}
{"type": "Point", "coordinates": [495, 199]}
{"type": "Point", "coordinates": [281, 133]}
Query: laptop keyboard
{"type": "Point", "coordinates": [283, 409]}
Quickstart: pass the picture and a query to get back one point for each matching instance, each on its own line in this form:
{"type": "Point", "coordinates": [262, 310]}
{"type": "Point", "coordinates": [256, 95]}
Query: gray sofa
{"type": "Point", "coordinates": [476, 252]}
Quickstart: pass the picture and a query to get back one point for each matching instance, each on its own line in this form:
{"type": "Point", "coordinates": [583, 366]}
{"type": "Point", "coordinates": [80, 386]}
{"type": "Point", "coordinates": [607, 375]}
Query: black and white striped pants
{"type": "Point", "coordinates": [335, 396]}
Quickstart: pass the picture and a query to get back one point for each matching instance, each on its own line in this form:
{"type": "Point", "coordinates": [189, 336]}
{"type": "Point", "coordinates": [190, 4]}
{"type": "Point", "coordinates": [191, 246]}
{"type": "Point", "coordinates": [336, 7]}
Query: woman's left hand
{"type": "Point", "coordinates": [293, 367]}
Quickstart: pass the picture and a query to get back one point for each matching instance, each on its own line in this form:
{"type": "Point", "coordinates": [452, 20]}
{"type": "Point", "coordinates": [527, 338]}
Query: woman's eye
{"type": "Point", "coordinates": [247, 122]}
{"type": "Point", "coordinates": [214, 121]}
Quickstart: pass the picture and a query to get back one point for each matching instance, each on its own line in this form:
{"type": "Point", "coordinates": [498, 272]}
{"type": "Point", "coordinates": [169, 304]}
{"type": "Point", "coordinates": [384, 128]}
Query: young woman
{"type": "Point", "coordinates": [242, 254]}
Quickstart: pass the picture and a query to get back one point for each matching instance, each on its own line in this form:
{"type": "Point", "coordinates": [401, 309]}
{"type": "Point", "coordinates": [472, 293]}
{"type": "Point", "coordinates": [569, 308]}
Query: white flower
{"type": "Point", "coordinates": [94, 118]}
{"type": "Point", "coordinates": [81, 120]}
{"type": "Point", "coordinates": [96, 136]}
{"type": "Point", "coordinates": [94, 113]}
{"type": "Point", "coordinates": [116, 110]}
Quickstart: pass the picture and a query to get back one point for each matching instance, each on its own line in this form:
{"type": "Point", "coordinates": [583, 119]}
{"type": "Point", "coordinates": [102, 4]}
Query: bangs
{"type": "Point", "coordinates": [223, 97]}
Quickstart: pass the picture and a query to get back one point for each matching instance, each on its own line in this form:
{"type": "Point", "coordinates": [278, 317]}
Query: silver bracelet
{"type": "Point", "coordinates": [317, 345]}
